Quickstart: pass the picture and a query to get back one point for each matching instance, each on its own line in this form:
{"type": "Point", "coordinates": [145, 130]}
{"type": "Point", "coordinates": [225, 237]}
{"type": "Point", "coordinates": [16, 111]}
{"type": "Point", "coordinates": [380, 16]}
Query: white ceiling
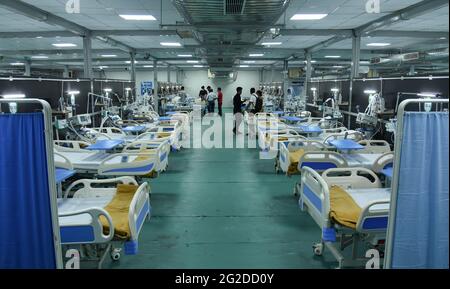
{"type": "Point", "coordinates": [104, 15]}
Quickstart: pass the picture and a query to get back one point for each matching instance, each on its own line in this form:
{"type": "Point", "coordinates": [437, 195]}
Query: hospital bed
{"type": "Point", "coordinates": [102, 216]}
{"type": "Point", "coordinates": [322, 160]}
{"type": "Point", "coordinates": [127, 163]}
{"type": "Point", "coordinates": [292, 151]}
{"type": "Point", "coordinates": [350, 207]}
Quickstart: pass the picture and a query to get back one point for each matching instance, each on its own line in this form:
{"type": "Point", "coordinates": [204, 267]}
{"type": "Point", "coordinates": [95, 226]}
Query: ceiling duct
{"type": "Point", "coordinates": [234, 7]}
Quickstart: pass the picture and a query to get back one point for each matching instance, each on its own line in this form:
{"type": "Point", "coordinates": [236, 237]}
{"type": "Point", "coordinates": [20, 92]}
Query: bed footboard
{"type": "Point", "coordinates": [91, 233]}
{"type": "Point", "coordinates": [322, 160]}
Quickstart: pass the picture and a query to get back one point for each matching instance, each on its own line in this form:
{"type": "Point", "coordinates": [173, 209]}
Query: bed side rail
{"type": "Point", "coordinates": [372, 219]}
{"type": "Point", "coordinates": [65, 163]}
{"type": "Point", "coordinates": [375, 146]}
{"type": "Point", "coordinates": [139, 210]}
{"type": "Point", "coordinates": [145, 166]}
{"type": "Point", "coordinates": [351, 178]}
{"type": "Point", "coordinates": [322, 160]}
{"type": "Point", "coordinates": [70, 146]}
{"type": "Point", "coordinates": [383, 161]}
{"type": "Point", "coordinates": [89, 187]}
{"type": "Point", "coordinates": [315, 194]}
{"type": "Point", "coordinates": [95, 214]}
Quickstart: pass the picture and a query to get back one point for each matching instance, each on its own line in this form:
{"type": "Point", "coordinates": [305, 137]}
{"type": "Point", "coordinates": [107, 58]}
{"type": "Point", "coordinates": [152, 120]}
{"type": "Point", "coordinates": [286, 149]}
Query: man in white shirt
{"type": "Point", "coordinates": [211, 99]}
{"type": "Point", "coordinates": [252, 101]}
{"type": "Point", "coordinates": [251, 112]}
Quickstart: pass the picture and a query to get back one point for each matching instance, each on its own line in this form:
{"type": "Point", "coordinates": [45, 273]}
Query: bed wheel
{"type": "Point", "coordinates": [115, 255]}
{"type": "Point", "coordinates": [295, 191]}
{"type": "Point", "coordinates": [318, 249]}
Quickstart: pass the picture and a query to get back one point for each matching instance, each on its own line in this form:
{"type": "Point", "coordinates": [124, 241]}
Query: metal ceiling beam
{"type": "Point", "coordinates": [409, 34]}
{"type": "Point", "coordinates": [49, 18]}
{"type": "Point", "coordinates": [407, 13]}
{"type": "Point", "coordinates": [316, 32]}
{"type": "Point", "coordinates": [403, 14]}
{"type": "Point", "coordinates": [34, 34]}
{"type": "Point", "coordinates": [105, 33]}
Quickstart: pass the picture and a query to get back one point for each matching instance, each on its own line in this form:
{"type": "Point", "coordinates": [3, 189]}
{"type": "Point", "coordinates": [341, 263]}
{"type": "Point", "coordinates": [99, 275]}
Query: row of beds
{"type": "Point", "coordinates": [344, 183]}
{"type": "Point", "coordinates": [103, 212]}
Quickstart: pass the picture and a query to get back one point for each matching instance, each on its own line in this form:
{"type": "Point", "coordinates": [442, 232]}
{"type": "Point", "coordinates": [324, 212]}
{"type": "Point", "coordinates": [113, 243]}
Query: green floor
{"type": "Point", "coordinates": [225, 208]}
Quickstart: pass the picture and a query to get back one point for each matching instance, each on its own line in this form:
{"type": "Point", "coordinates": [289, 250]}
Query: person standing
{"type": "Point", "coordinates": [211, 99]}
{"type": "Point", "coordinates": [237, 110]}
{"type": "Point", "coordinates": [202, 95]}
{"type": "Point", "coordinates": [259, 102]}
{"type": "Point", "coordinates": [220, 100]}
{"type": "Point", "coordinates": [252, 100]}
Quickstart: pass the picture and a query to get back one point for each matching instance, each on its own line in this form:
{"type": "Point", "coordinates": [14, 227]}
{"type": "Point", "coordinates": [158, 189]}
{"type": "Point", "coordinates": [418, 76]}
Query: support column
{"type": "Point", "coordinates": [285, 81]}
{"type": "Point", "coordinates": [133, 67]}
{"type": "Point", "coordinates": [356, 58]}
{"type": "Point", "coordinates": [412, 70]}
{"type": "Point", "coordinates": [27, 68]}
{"type": "Point", "coordinates": [308, 74]}
{"type": "Point", "coordinates": [87, 48]}
{"type": "Point", "coordinates": [155, 85]}
{"type": "Point", "coordinates": [66, 72]}
{"type": "Point", "coordinates": [169, 77]}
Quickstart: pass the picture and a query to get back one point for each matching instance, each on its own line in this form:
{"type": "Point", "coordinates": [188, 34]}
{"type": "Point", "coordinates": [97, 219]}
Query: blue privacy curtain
{"type": "Point", "coordinates": [26, 238]}
{"type": "Point", "coordinates": [422, 220]}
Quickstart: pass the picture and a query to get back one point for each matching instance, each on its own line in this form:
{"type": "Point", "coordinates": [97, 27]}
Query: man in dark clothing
{"type": "Point", "coordinates": [203, 93]}
{"type": "Point", "coordinates": [220, 100]}
{"type": "Point", "coordinates": [259, 102]}
{"type": "Point", "coordinates": [237, 109]}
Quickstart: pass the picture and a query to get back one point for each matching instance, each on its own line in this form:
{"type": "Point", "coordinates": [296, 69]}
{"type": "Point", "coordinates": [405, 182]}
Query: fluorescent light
{"type": "Point", "coordinates": [73, 92]}
{"type": "Point", "coordinates": [364, 62]}
{"type": "Point", "coordinates": [312, 61]}
{"type": "Point", "coordinates": [370, 91]}
{"type": "Point", "coordinates": [103, 67]}
{"type": "Point", "coordinates": [128, 89]}
{"type": "Point", "coordinates": [271, 43]}
{"type": "Point", "coordinates": [338, 66]}
{"type": "Point", "coordinates": [332, 56]}
{"type": "Point", "coordinates": [138, 17]}
{"type": "Point", "coordinates": [64, 45]}
{"type": "Point", "coordinates": [335, 90]}
{"type": "Point", "coordinates": [198, 66]}
{"type": "Point", "coordinates": [244, 66]}
{"type": "Point", "coordinates": [108, 55]}
{"type": "Point", "coordinates": [184, 55]}
{"type": "Point", "coordinates": [256, 54]}
{"type": "Point", "coordinates": [427, 94]}
{"type": "Point", "coordinates": [39, 57]}
{"type": "Point", "coordinates": [129, 62]}
{"type": "Point", "coordinates": [313, 88]}
{"type": "Point", "coordinates": [13, 96]}
{"type": "Point", "coordinates": [382, 44]}
{"type": "Point", "coordinates": [107, 89]}
{"type": "Point", "coordinates": [148, 66]}
{"type": "Point", "coordinates": [173, 44]}
{"type": "Point", "coordinates": [192, 61]}
{"type": "Point", "coordinates": [443, 38]}
{"type": "Point", "coordinates": [249, 61]}
{"type": "Point", "coordinates": [17, 64]}
{"type": "Point", "coordinates": [308, 16]}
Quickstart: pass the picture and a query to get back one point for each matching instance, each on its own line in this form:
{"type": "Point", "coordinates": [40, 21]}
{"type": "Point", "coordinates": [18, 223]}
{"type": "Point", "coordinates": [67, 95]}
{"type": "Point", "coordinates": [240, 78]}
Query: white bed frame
{"type": "Point", "coordinates": [125, 168]}
{"type": "Point", "coordinates": [139, 205]}
{"type": "Point", "coordinates": [162, 148]}
{"type": "Point", "coordinates": [283, 161]}
{"type": "Point", "coordinates": [318, 186]}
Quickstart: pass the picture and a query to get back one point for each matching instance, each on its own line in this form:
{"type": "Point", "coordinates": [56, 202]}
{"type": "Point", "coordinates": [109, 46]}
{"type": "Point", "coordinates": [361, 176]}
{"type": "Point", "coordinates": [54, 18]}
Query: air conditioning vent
{"type": "Point", "coordinates": [234, 7]}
